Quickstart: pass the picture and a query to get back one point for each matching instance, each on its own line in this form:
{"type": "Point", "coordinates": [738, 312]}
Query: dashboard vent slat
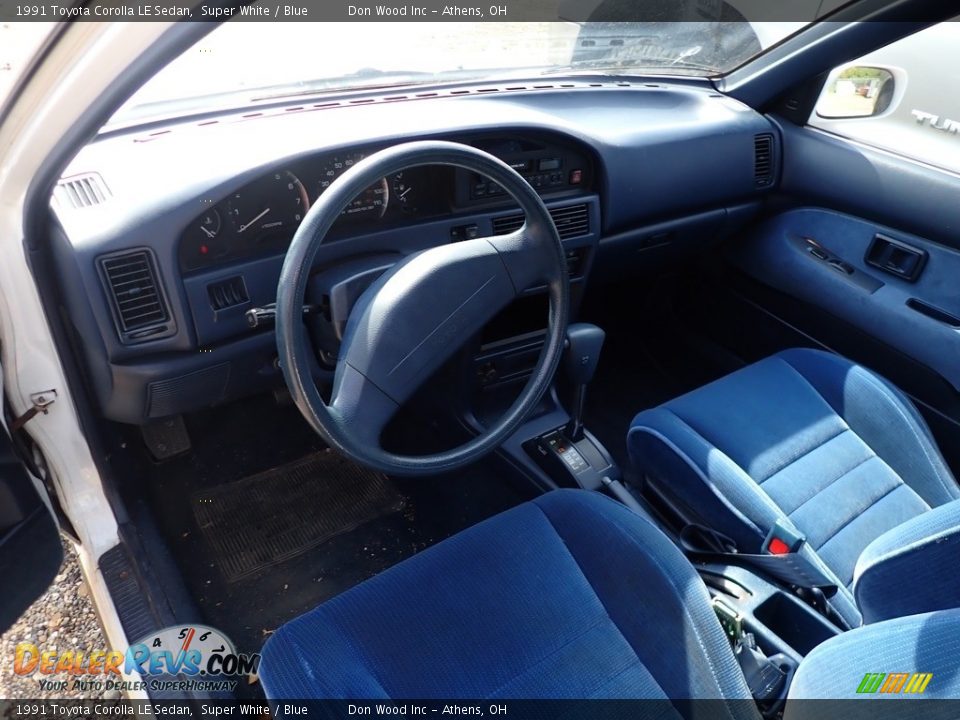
{"type": "Point", "coordinates": [138, 305]}
{"type": "Point", "coordinates": [227, 293]}
{"type": "Point", "coordinates": [82, 191]}
{"type": "Point", "coordinates": [571, 221]}
{"type": "Point", "coordinates": [507, 224]}
{"type": "Point", "coordinates": [763, 160]}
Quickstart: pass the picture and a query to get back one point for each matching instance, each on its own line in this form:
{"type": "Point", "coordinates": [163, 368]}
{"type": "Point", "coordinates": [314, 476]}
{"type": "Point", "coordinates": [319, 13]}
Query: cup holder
{"type": "Point", "coordinates": [793, 622]}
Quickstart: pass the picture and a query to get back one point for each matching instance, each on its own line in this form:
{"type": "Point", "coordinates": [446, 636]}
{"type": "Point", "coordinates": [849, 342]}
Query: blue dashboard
{"type": "Point", "coordinates": [166, 235]}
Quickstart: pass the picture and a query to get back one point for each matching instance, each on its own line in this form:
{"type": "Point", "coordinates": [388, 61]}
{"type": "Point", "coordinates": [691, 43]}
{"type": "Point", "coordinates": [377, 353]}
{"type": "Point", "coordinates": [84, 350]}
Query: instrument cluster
{"type": "Point", "coordinates": [262, 216]}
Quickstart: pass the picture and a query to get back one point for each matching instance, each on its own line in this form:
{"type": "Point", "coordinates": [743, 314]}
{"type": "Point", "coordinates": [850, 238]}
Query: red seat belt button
{"type": "Point", "coordinates": [778, 547]}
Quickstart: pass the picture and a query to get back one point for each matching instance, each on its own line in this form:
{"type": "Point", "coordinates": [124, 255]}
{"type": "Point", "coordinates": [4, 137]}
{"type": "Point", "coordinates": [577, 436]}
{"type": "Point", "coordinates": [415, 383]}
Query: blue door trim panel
{"type": "Point", "coordinates": [777, 254]}
{"type": "Point", "coordinates": [830, 171]}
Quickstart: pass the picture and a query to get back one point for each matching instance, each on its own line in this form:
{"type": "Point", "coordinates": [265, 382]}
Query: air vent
{"type": "Point", "coordinates": [82, 191]}
{"type": "Point", "coordinates": [571, 221]}
{"type": "Point", "coordinates": [135, 295]}
{"type": "Point", "coordinates": [763, 160]}
{"type": "Point", "coordinates": [227, 293]}
{"type": "Point", "coordinates": [507, 224]}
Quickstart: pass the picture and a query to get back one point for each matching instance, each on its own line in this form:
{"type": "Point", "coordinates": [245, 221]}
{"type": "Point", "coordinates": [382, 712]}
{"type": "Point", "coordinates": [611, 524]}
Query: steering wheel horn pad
{"type": "Point", "coordinates": [418, 313]}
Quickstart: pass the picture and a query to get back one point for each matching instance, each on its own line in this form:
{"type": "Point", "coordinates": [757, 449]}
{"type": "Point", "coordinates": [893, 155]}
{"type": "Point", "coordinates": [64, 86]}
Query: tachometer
{"type": "Point", "coordinates": [372, 202]}
{"type": "Point", "coordinates": [274, 203]}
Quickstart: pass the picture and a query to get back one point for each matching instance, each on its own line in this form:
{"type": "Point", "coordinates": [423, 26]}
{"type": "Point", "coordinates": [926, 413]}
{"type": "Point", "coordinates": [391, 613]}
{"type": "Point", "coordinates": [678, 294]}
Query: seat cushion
{"type": "Point", "coordinates": [894, 653]}
{"type": "Point", "coordinates": [569, 596]}
{"type": "Point", "coordinates": [802, 436]}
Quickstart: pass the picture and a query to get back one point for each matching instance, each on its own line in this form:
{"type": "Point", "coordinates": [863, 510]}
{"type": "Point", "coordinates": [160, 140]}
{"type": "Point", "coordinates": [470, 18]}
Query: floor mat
{"type": "Point", "coordinates": [275, 515]}
{"type": "Point", "coordinates": [243, 439]}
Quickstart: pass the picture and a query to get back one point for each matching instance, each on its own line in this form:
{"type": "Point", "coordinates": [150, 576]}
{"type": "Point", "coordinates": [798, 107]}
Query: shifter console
{"type": "Point", "coordinates": [584, 463]}
{"type": "Point", "coordinates": [571, 455]}
{"type": "Point", "coordinates": [566, 451]}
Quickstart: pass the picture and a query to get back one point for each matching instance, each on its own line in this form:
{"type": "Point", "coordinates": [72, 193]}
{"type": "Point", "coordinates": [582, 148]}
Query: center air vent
{"type": "Point", "coordinates": [571, 221]}
{"type": "Point", "coordinates": [763, 160]}
{"type": "Point", "coordinates": [135, 297]}
{"type": "Point", "coordinates": [507, 224]}
{"type": "Point", "coordinates": [227, 293]}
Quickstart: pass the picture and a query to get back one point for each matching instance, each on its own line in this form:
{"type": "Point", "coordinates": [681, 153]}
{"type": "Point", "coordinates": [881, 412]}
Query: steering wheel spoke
{"type": "Point", "coordinates": [359, 406]}
{"type": "Point", "coordinates": [525, 254]}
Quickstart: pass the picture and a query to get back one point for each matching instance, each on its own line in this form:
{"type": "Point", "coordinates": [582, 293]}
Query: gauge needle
{"type": "Point", "coordinates": [209, 234]}
{"type": "Point", "coordinates": [403, 193]}
{"type": "Point", "coordinates": [244, 227]}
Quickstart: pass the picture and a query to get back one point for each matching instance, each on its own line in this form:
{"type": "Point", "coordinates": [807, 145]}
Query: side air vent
{"type": "Point", "coordinates": [227, 293]}
{"type": "Point", "coordinates": [763, 160]}
{"type": "Point", "coordinates": [82, 191]}
{"type": "Point", "coordinates": [571, 221]}
{"type": "Point", "coordinates": [138, 304]}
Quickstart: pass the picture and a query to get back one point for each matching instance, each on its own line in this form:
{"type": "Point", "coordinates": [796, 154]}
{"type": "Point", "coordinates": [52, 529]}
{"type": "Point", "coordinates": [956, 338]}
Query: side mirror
{"type": "Point", "coordinates": [857, 91]}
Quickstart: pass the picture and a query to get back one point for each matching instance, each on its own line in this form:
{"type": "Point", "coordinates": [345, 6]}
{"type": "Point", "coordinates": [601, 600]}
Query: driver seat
{"type": "Point", "coordinates": [569, 596]}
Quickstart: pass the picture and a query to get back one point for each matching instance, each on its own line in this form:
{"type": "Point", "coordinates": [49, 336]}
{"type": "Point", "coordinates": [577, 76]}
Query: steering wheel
{"type": "Point", "coordinates": [418, 313]}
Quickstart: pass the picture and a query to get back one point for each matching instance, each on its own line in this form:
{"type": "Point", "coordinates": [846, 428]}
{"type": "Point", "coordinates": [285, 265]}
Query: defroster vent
{"type": "Point", "coordinates": [82, 191]}
{"type": "Point", "coordinates": [138, 304]}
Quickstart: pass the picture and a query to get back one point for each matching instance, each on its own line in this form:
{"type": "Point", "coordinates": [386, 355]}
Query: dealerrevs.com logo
{"type": "Point", "coordinates": [181, 658]}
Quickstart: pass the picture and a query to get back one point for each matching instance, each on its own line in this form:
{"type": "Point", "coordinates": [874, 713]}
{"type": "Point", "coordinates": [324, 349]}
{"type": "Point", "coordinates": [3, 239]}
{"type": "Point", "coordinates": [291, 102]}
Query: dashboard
{"type": "Point", "coordinates": [165, 235]}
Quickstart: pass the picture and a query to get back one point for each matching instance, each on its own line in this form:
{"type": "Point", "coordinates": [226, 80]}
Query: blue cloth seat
{"type": "Point", "coordinates": [829, 449]}
{"type": "Point", "coordinates": [569, 596]}
{"type": "Point", "coordinates": [927, 643]}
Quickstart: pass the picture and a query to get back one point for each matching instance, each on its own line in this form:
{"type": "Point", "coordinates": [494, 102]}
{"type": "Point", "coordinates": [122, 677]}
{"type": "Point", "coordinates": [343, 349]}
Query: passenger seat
{"type": "Point", "coordinates": [811, 445]}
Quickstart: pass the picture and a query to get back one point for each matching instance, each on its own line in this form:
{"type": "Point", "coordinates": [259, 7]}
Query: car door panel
{"type": "Point", "coordinates": [819, 256]}
{"type": "Point", "coordinates": [829, 171]}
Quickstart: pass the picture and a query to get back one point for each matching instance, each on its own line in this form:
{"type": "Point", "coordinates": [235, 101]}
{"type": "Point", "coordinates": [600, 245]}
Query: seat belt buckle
{"type": "Point", "coordinates": [731, 620]}
{"type": "Point", "coordinates": [782, 540]}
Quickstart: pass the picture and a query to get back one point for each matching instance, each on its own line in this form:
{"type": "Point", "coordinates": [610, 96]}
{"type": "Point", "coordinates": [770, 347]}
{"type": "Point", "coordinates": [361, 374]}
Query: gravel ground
{"type": "Point", "coordinates": [62, 619]}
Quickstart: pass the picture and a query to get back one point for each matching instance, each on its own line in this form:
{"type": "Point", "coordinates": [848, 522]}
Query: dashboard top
{"type": "Point", "coordinates": [166, 174]}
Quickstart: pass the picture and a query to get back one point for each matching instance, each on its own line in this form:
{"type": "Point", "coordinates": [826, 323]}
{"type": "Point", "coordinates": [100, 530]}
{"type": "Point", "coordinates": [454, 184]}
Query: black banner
{"type": "Point", "coordinates": [468, 10]}
{"type": "Point", "coordinates": [872, 708]}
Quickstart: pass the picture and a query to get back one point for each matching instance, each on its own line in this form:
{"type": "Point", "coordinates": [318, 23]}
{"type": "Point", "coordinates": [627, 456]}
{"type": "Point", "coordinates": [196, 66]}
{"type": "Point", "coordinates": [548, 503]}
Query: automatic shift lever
{"type": "Point", "coordinates": [583, 345]}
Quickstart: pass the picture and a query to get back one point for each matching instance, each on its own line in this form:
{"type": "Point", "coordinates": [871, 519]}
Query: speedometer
{"type": "Point", "coordinates": [372, 202]}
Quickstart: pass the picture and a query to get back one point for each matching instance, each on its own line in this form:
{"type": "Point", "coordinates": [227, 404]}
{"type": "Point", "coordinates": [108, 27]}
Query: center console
{"type": "Point", "coordinates": [553, 447]}
{"type": "Point", "coordinates": [781, 627]}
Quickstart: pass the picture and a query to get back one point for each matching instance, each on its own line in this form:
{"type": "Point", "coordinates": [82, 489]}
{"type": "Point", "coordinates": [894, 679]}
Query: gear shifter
{"type": "Point", "coordinates": [583, 345]}
{"type": "Point", "coordinates": [570, 455]}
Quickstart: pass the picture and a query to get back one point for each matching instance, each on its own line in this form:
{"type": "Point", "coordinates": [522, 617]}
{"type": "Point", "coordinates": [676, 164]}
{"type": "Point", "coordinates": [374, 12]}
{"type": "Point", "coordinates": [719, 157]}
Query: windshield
{"type": "Point", "coordinates": [243, 62]}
